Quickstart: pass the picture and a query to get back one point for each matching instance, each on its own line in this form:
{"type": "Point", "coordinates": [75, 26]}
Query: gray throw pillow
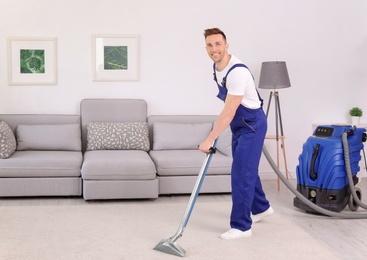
{"type": "Point", "coordinates": [118, 136]}
{"type": "Point", "coordinates": [8, 144]}
{"type": "Point", "coordinates": [58, 137]}
{"type": "Point", "coordinates": [178, 136]}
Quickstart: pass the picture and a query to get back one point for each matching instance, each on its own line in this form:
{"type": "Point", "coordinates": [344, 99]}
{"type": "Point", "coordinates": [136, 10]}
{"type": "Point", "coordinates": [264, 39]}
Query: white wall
{"type": "Point", "coordinates": [323, 42]}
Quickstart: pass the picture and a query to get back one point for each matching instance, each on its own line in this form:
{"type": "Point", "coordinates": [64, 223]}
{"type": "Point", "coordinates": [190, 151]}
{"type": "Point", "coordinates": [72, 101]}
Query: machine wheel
{"type": "Point", "coordinates": [353, 205]}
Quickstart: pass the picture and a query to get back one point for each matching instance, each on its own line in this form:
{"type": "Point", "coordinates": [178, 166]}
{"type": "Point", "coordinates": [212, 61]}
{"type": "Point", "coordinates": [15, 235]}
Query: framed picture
{"type": "Point", "coordinates": [31, 61]}
{"type": "Point", "coordinates": [115, 57]}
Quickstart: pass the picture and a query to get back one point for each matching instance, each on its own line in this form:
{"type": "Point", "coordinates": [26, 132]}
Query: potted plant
{"type": "Point", "coordinates": [355, 113]}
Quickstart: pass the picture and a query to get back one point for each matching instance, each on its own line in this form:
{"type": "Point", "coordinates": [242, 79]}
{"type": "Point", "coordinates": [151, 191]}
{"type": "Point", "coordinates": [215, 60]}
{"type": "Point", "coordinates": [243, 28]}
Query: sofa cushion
{"type": "Point", "coordinates": [175, 136]}
{"type": "Point", "coordinates": [189, 162]}
{"type": "Point", "coordinates": [57, 137]}
{"type": "Point", "coordinates": [118, 165]}
{"type": "Point", "coordinates": [30, 164]}
{"type": "Point", "coordinates": [118, 136]}
{"type": "Point", "coordinates": [8, 143]}
{"type": "Point", "coordinates": [224, 143]}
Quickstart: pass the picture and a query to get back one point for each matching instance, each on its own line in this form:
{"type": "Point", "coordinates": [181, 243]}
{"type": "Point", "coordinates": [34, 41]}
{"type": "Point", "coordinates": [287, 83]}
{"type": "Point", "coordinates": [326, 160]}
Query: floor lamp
{"type": "Point", "coordinates": [274, 75]}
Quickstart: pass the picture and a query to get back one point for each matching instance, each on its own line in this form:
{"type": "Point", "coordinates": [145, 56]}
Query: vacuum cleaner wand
{"type": "Point", "coordinates": [169, 245]}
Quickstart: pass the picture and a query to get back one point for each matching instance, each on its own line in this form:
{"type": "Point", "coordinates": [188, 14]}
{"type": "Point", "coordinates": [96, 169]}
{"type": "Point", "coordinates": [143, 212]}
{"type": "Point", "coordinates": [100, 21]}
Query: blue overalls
{"type": "Point", "coordinates": [248, 133]}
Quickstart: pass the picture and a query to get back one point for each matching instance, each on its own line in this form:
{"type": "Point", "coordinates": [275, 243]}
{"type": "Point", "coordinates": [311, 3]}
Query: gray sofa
{"type": "Point", "coordinates": [47, 158]}
{"type": "Point", "coordinates": [112, 150]}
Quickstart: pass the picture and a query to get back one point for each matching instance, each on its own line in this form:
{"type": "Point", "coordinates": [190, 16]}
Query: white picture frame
{"type": "Point", "coordinates": [32, 61]}
{"type": "Point", "coordinates": [115, 57]}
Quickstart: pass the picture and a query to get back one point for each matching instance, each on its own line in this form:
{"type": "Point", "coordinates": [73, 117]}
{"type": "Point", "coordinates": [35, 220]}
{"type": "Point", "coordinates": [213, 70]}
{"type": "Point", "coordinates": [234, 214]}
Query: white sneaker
{"type": "Point", "coordinates": [234, 233]}
{"type": "Point", "coordinates": [260, 216]}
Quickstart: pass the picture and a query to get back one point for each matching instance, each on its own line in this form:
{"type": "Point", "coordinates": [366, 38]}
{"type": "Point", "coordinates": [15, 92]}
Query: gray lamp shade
{"type": "Point", "coordinates": [274, 75]}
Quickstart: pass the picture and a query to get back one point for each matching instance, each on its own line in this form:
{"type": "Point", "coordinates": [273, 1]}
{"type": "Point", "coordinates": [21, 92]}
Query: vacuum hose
{"type": "Point", "coordinates": [309, 203]}
{"type": "Point", "coordinates": [349, 171]}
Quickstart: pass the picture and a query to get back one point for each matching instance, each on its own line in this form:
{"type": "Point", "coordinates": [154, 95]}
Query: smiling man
{"type": "Point", "coordinates": [243, 112]}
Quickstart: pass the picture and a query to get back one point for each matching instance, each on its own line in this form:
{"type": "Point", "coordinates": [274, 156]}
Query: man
{"type": "Point", "coordinates": [243, 112]}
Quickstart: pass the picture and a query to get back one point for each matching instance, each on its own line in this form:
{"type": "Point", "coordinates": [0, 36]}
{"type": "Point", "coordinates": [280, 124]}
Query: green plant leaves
{"type": "Point", "coordinates": [356, 111]}
{"type": "Point", "coordinates": [115, 58]}
{"type": "Point", "coordinates": [32, 61]}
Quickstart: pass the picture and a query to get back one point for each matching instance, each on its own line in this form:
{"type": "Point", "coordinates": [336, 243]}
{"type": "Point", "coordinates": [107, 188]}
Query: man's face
{"type": "Point", "coordinates": [216, 47]}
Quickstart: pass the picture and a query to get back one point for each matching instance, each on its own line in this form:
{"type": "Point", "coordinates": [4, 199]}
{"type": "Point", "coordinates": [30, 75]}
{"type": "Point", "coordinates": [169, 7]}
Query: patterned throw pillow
{"type": "Point", "coordinates": [118, 136]}
{"type": "Point", "coordinates": [8, 144]}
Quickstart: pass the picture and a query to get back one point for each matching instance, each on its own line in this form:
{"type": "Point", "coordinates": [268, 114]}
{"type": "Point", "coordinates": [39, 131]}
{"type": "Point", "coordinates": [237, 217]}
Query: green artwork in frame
{"type": "Point", "coordinates": [32, 61]}
{"type": "Point", "coordinates": [115, 58]}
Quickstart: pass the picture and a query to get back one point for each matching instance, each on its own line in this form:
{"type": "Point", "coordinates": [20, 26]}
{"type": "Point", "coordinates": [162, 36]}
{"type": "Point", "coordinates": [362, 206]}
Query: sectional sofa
{"type": "Point", "coordinates": [112, 150]}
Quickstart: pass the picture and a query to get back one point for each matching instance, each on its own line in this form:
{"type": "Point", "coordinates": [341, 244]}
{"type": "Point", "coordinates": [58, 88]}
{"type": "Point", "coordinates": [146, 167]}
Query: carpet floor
{"type": "Point", "coordinates": [131, 230]}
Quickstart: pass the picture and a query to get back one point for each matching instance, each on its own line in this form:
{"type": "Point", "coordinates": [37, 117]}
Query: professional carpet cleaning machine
{"type": "Point", "coordinates": [326, 178]}
{"type": "Point", "coordinates": [327, 170]}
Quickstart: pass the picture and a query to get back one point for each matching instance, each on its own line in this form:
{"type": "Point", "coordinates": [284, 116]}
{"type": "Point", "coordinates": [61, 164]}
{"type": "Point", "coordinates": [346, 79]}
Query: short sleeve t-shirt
{"type": "Point", "coordinates": [239, 82]}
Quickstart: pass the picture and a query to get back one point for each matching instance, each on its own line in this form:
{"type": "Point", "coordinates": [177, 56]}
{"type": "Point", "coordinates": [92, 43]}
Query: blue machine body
{"type": "Point", "coordinates": [321, 173]}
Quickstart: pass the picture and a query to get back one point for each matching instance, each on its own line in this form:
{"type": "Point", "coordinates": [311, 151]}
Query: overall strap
{"type": "Point", "coordinates": [224, 81]}
{"type": "Point", "coordinates": [214, 74]}
{"type": "Point", "coordinates": [230, 69]}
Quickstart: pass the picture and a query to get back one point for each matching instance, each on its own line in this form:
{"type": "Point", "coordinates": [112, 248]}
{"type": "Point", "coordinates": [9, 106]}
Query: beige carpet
{"type": "Point", "coordinates": [131, 230]}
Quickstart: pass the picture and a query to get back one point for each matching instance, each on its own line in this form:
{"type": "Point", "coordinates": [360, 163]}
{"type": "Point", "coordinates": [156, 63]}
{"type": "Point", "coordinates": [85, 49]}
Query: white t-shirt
{"type": "Point", "coordinates": [240, 83]}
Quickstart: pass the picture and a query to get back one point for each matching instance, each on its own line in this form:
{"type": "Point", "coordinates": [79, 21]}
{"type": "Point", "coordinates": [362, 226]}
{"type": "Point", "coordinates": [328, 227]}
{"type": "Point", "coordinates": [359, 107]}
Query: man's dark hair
{"type": "Point", "coordinates": [212, 31]}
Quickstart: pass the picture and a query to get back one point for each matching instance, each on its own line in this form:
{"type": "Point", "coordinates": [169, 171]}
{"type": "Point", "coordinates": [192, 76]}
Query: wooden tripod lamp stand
{"type": "Point", "coordinates": [274, 75]}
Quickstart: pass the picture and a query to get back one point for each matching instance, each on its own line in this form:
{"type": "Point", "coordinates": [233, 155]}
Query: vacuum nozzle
{"type": "Point", "coordinates": [170, 247]}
